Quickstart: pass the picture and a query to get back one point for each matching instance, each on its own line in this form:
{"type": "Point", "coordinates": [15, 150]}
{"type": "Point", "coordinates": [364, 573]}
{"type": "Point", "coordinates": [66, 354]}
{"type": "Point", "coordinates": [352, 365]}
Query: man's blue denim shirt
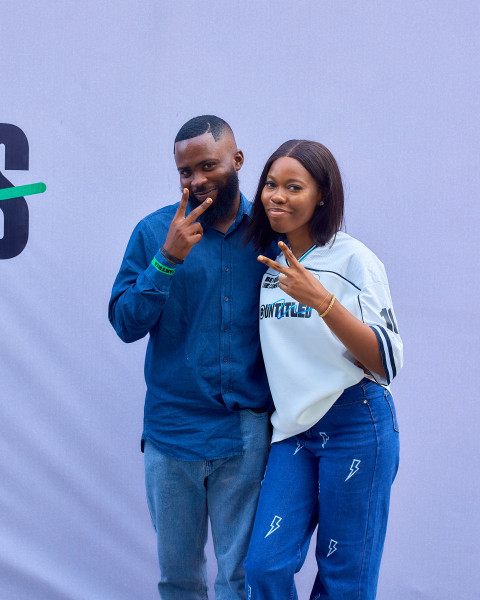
{"type": "Point", "coordinates": [203, 362]}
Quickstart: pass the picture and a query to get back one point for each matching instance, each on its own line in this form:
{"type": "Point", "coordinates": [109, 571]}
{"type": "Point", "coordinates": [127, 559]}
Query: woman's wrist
{"type": "Point", "coordinates": [329, 307]}
{"type": "Point", "coordinates": [320, 308]}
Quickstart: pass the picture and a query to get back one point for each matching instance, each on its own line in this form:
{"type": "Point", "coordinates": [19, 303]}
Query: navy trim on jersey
{"type": "Point", "coordinates": [360, 306]}
{"type": "Point", "coordinates": [380, 346]}
{"type": "Point", "coordinates": [393, 371]}
{"type": "Point", "coordinates": [382, 353]}
{"type": "Point", "coordinates": [335, 273]}
{"type": "Point", "coordinates": [304, 255]}
{"type": "Point", "coordinates": [390, 350]}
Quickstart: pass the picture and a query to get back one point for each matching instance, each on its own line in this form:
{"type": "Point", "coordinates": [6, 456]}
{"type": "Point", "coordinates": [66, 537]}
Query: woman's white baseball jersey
{"type": "Point", "coordinates": [307, 366]}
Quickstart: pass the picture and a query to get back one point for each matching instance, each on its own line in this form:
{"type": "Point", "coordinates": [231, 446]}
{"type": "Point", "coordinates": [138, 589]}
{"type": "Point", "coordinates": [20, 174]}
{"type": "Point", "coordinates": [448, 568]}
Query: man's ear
{"type": "Point", "coordinates": [238, 160]}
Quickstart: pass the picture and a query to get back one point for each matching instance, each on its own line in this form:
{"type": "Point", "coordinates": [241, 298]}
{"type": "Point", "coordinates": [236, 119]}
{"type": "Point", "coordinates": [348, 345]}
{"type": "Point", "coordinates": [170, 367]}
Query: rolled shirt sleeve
{"type": "Point", "coordinates": [140, 290]}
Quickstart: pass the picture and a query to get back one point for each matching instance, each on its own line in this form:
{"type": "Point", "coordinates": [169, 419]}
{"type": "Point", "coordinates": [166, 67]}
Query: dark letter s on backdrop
{"type": "Point", "coordinates": [15, 210]}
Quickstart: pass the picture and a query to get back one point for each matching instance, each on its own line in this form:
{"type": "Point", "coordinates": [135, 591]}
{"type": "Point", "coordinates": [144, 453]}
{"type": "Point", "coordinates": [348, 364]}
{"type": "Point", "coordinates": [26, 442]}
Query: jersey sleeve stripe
{"type": "Point", "coordinates": [390, 350]}
{"type": "Point", "coordinates": [381, 347]}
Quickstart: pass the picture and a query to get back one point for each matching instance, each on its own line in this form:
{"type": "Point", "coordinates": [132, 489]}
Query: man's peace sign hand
{"type": "Point", "coordinates": [295, 280]}
{"type": "Point", "coordinates": [184, 231]}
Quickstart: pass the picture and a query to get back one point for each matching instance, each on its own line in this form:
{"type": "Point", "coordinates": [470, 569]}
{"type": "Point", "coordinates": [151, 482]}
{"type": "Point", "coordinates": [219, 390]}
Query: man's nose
{"type": "Point", "coordinates": [198, 180]}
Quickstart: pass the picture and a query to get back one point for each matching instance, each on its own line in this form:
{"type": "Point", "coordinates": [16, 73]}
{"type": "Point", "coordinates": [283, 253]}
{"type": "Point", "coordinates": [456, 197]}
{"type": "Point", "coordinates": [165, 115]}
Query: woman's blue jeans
{"type": "Point", "coordinates": [336, 475]}
{"type": "Point", "coordinates": [182, 494]}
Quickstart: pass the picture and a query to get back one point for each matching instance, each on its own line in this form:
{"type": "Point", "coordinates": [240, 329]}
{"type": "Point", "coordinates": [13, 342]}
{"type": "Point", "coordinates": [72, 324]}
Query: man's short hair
{"type": "Point", "coordinates": [203, 124]}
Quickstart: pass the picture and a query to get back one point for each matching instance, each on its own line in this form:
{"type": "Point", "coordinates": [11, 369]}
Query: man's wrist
{"type": "Point", "coordinates": [171, 259]}
{"type": "Point", "coordinates": [167, 270]}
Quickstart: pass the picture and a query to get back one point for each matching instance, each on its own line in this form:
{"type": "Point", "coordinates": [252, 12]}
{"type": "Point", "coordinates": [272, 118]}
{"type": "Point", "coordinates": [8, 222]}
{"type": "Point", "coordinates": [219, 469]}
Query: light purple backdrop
{"type": "Point", "coordinates": [100, 89]}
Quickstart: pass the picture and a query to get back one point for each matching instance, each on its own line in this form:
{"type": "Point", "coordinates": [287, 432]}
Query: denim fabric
{"type": "Point", "coordinates": [181, 496]}
{"type": "Point", "coordinates": [336, 475]}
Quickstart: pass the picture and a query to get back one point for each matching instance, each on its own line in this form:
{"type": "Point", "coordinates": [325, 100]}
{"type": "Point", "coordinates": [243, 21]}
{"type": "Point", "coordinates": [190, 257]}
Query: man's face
{"type": "Point", "coordinates": [209, 169]}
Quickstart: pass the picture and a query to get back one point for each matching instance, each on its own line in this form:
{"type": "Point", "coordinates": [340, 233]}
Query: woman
{"type": "Point", "coordinates": [331, 347]}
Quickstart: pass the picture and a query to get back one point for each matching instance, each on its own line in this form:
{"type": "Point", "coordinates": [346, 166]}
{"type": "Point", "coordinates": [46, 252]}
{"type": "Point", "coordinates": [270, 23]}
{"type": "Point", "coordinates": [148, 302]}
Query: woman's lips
{"type": "Point", "coordinates": [276, 212]}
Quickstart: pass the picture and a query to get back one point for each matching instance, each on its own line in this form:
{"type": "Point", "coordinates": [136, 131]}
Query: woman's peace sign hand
{"type": "Point", "coordinates": [295, 280]}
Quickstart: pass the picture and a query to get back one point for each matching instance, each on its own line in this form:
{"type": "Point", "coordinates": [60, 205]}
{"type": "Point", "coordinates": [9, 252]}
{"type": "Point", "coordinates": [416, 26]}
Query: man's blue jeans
{"type": "Point", "coordinates": [338, 474]}
{"type": "Point", "coordinates": [181, 496]}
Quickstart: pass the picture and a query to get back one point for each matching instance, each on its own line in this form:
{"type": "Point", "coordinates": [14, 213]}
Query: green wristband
{"type": "Point", "coordinates": [162, 268]}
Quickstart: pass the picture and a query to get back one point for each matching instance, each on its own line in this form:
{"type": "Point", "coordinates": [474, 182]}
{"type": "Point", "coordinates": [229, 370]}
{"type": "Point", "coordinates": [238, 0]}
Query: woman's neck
{"type": "Point", "coordinates": [299, 244]}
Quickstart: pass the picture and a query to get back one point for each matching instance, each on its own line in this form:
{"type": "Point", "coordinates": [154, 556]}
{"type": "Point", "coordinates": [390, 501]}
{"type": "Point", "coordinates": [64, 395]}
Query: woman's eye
{"type": "Point", "coordinates": [269, 184]}
{"type": "Point", "coordinates": [295, 188]}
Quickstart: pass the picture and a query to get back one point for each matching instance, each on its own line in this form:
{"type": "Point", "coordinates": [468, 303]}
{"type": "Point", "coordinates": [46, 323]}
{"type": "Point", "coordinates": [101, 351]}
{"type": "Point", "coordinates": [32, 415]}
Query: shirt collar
{"type": "Point", "coordinates": [245, 208]}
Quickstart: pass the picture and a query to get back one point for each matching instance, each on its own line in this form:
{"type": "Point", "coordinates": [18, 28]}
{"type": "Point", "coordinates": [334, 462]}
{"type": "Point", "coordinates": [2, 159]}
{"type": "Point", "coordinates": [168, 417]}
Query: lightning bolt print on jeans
{"type": "Point", "coordinates": [340, 480]}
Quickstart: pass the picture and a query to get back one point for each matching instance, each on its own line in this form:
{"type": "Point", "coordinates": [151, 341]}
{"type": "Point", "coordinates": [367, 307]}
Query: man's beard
{"type": "Point", "coordinates": [224, 204]}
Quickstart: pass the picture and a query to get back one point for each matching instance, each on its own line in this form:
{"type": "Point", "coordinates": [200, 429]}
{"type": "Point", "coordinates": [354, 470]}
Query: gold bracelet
{"type": "Point", "coordinates": [318, 309]}
{"type": "Point", "coordinates": [329, 307]}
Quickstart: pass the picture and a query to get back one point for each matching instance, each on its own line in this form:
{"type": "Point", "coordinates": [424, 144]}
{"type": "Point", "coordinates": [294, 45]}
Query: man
{"type": "Point", "coordinates": [189, 280]}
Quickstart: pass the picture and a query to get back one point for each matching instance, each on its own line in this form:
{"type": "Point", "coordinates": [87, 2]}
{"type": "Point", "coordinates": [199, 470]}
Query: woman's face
{"type": "Point", "coordinates": [289, 197]}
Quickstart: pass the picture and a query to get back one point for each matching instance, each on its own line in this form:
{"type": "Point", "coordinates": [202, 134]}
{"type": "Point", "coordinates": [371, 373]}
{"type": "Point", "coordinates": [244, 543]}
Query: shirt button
{"type": "Point", "coordinates": [225, 329]}
{"type": "Point", "coordinates": [226, 298]}
{"type": "Point", "coordinates": [225, 359]}
{"type": "Point", "coordinates": [227, 269]}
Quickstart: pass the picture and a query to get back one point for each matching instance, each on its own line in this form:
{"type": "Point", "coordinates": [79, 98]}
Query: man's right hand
{"type": "Point", "coordinates": [184, 232]}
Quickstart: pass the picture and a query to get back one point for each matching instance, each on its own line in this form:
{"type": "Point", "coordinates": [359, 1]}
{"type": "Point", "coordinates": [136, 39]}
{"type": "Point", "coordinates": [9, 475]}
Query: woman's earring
{"type": "Point", "coordinates": [321, 203]}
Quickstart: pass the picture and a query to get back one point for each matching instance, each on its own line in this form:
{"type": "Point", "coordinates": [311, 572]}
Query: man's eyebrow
{"type": "Point", "coordinates": [202, 162]}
